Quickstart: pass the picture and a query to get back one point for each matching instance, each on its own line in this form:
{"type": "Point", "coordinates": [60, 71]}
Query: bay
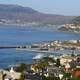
{"type": "Point", "coordinates": [17, 35]}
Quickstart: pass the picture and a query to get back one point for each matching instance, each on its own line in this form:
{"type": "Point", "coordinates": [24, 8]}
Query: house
{"type": "Point", "coordinates": [9, 75]}
{"type": "Point", "coordinates": [76, 73]}
{"type": "Point", "coordinates": [14, 75]}
{"type": "Point", "coordinates": [53, 70]}
{"type": "Point", "coordinates": [34, 68]}
{"type": "Point", "coordinates": [66, 59]}
{"type": "Point", "coordinates": [1, 75]}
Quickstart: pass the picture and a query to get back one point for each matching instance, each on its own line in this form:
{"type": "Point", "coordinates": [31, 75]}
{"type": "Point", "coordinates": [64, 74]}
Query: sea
{"type": "Point", "coordinates": [11, 35]}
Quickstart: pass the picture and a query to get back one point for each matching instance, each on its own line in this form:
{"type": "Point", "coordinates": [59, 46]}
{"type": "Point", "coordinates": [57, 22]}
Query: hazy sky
{"type": "Point", "coordinates": [66, 7]}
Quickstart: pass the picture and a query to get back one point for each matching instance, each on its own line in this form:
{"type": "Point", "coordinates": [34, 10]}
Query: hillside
{"type": "Point", "coordinates": [11, 14]}
{"type": "Point", "coordinates": [73, 27]}
{"type": "Point", "coordinates": [76, 20]}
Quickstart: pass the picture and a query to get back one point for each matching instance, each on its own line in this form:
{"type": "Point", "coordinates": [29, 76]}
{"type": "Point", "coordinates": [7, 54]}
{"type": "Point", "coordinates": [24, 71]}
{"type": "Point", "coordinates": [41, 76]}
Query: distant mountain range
{"type": "Point", "coordinates": [23, 15]}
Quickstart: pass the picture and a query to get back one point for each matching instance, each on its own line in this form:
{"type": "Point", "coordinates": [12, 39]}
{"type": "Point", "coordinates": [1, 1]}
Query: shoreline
{"type": "Point", "coordinates": [49, 28]}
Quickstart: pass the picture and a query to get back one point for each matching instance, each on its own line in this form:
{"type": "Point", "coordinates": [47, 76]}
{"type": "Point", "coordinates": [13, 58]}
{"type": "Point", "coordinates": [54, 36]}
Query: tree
{"type": "Point", "coordinates": [66, 76]}
{"type": "Point", "coordinates": [58, 62]}
{"type": "Point", "coordinates": [22, 76]}
{"type": "Point", "coordinates": [75, 78]}
{"type": "Point", "coordinates": [50, 78]}
{"type": "Point", "coordinates": [22, 67]}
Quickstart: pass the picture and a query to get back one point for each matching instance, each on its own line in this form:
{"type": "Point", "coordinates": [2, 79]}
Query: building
{"type": "Point", "coordinates": [1, 75]}
{"type": "Point", "coordinates": [9, 75]}
{"type": "Point", "coordinates": [66, 59]}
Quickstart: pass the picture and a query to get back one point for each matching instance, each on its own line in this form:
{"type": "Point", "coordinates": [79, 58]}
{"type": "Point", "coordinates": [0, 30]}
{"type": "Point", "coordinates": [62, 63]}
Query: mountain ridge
{"type": "Point", "coordinates": [20, 14]}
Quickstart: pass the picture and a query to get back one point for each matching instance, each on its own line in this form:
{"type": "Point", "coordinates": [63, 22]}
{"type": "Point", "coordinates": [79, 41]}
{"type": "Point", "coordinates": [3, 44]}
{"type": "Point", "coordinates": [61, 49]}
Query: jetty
{"type": "Point", "coordinates": [7, 46]}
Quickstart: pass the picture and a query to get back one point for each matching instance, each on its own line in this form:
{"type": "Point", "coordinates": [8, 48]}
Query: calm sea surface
{"type": "Point", "coordinates": [12, 35]}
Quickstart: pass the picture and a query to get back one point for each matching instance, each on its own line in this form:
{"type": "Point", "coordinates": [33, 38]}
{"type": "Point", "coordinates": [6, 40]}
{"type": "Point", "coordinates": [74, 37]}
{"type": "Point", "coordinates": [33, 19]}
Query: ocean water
{"type": "Point", "coordinates": [17, 35]}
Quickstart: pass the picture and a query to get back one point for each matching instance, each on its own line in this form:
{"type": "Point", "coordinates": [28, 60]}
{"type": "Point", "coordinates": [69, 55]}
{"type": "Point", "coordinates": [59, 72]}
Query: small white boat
{"type": "Point", "coordinates": [39, 56]}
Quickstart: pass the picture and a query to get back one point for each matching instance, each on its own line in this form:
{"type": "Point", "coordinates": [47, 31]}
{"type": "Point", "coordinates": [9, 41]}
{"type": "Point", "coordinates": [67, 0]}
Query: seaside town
{"type": "Point", "coordinates": [70, 27]}
{"type": "Point", "coordinates": [51, 67]}
{"type": "Point", "coordinates": [39, 39]}
{"type": "Point", "coordinates": [51, 46]}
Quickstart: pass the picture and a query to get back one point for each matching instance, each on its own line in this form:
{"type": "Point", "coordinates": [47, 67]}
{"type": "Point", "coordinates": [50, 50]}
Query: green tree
{"type": "Point", "coordinates": [75, 78]}
{"type": "Point", "coordinates": [50, 78]}
{"type": "Point", "coordinates": [58, 62]}
{"type": "Point", "coordinates": [22, 67]}
{"type": "Point", "coordinates": [22, 76]}
{"type": "Point", "coordinates": [66, 76]}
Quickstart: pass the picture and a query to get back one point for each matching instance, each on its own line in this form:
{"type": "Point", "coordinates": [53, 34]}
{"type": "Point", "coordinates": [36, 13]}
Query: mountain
{"type": "Point", "coordinates": [76, 20]}
{"type": "Point", "coordinates": [18, 14]}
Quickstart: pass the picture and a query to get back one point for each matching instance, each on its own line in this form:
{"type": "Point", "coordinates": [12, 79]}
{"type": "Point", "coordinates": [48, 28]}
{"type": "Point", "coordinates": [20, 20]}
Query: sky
{"type": "Point", "coordinates": [63, 7]}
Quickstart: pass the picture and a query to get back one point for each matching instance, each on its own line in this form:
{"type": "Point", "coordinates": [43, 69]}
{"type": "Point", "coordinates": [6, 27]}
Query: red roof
{"type": "Point", "coordinates": [77, 73]}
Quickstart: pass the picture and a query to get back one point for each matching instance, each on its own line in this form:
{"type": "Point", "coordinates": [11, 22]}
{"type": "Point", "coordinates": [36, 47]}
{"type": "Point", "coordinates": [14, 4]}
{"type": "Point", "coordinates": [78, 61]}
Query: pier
{"type": "Point", "coordinates": [8, 46]}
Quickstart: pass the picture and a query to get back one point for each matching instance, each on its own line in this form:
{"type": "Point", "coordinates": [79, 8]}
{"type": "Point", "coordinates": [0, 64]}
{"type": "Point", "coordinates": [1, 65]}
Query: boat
{"type": "Point", "coordinates": [39, 56]}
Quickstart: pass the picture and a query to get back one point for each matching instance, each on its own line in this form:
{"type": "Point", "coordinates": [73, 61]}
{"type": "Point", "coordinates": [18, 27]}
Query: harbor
{"type": "Point", "coordinates": [47, 47]}
{"type": "Point", "coordinates": [52, 45]}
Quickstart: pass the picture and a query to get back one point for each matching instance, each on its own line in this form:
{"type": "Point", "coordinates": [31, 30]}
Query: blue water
{"type": "Point", "coordinates": [12, 35]}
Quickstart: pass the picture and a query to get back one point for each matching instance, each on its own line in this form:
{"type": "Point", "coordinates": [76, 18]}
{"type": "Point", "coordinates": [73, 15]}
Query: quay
{"type": "Point", "coordinates": [36, 51]}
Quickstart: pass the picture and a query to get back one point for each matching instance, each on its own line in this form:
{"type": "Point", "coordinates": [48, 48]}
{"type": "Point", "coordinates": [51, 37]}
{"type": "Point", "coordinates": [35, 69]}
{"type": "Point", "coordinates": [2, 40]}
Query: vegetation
{"type": "Point", "coordinates": [43, 63]}
{"type": "Point", "coordinates": [71, 43]}
{"type": "Point", "coordinates": [50, 78]}
{"type": "Point", "coordinates": [22, 67]}
{"type": "Point", "coordinates": [75, 78]}
{"type": "Point", "coordinates": [76, 21]}
{"type": "Point", "coordinates": [58, 62]}
{"type": "Point", "coordinates": [66, 76]}
{"type": "Point", "coordinates": [22, 76]}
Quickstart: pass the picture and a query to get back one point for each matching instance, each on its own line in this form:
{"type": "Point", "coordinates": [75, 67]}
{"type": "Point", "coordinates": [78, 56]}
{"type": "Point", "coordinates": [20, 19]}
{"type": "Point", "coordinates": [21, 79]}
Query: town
{"type": "Point", "coordinates": [51, 46]}
{"type": "Point", "coordinates": [70, 27]}
{"type": "Point", "coordinates": [39, 39]}
{"type": "Point", "coordinates": [51, 67]}
{"type": "Point", "coordinates": [65, 67]}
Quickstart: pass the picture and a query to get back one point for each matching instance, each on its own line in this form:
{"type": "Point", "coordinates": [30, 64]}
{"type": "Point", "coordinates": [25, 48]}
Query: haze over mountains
{"type": "Point", "coordinates": [23, 15]}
